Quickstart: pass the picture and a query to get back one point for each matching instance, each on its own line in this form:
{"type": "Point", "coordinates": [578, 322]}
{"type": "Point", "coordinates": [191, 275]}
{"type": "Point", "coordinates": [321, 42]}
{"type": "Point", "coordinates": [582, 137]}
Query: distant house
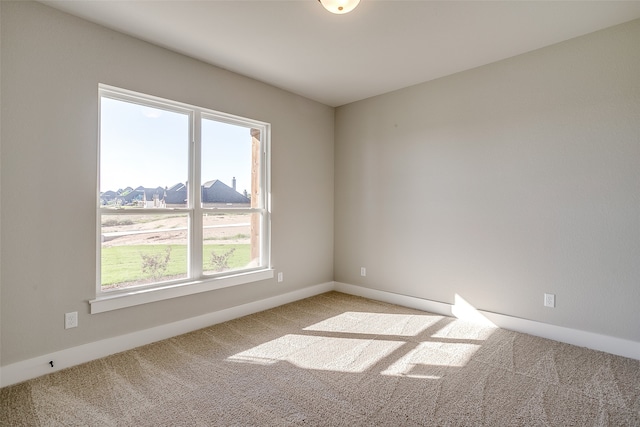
{"type": "Point", "coordinates": [217, 193]}
{"type": "Point", "coordinates": [176, 195]}
{"type": "Point", "coordinates": [213, 193]}
{"type": "Point", "coordinates": [162, 197]}
{"type": "Point", "coordinates": [154, 197]}
{"type": "Point", "coordinates": [107, 197]}
{"type": "Point", "coordinates": [130, 195]}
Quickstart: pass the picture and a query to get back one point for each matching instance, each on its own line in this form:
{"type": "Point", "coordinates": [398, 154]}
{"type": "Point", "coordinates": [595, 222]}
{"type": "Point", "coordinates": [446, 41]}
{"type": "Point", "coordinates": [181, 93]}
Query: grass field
{"type": "Point", "coordinates": [124, 264]}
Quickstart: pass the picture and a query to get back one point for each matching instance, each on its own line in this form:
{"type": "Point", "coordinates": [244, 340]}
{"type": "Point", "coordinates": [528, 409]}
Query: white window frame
{"type": "Point", "coordinates": [195, 282]}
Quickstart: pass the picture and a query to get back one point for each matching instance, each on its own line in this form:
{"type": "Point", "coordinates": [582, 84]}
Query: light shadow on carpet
{"type": "Point", "coordinates": [335, 360]}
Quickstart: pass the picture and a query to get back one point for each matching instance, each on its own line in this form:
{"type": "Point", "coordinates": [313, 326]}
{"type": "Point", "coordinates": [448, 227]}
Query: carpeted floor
{"type": "Point", "coordinates": [338, 360]}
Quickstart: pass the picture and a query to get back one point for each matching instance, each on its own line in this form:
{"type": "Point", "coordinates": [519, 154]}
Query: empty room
{"type": "Point", "coordinates": [334, 212]}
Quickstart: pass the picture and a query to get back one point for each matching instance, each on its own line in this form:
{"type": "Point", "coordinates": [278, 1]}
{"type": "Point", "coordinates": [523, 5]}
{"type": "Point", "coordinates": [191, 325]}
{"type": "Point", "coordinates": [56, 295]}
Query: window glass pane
{"type": "Point", "coordinates": [143, 156]}
{"type": "Point", "coordinates": [142, 249]}
{"type": "Point", "coordinates": [230, 165]}
{"type": "Point", "coordinates": [230, 242]}
{"type": "Point", "coordinates": [150, 155]}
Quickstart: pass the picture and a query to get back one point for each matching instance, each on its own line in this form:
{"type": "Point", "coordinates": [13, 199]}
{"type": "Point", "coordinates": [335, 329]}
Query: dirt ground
{"type": "Point", "coordinates": [119, 230]}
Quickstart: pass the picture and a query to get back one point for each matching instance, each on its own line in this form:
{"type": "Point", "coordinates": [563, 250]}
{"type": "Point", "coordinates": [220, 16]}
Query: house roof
{"type": "Point", "coordinates": [209, 184]}
{"type": "Point", "coordinates": [216, 191]}
{"type": "Point", "coordinates": [177, 187]}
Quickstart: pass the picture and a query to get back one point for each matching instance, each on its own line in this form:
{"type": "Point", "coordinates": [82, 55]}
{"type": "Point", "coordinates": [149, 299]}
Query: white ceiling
{"type": "Point", "coordinates": [337, 59]}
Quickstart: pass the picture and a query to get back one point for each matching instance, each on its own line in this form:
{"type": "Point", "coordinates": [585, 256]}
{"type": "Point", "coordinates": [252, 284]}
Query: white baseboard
{"type": "Point", "coordinates": [37, 366]}
{"type": "Point", "coordinates": [608, 344]}
{"type": "Point", "coordinates": [403, 300]}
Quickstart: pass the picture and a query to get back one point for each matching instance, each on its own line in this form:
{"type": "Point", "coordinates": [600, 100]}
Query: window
{"type": "Point", "coordinates": [183, 198]}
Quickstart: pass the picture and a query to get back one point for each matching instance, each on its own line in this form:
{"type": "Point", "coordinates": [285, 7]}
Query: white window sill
{"type": "Point", "coordinates": [143, 296]}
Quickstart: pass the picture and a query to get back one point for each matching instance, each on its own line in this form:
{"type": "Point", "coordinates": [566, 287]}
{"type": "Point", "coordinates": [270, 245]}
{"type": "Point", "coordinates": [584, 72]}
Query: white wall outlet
{"type": "Point", "coordinates": [363, 271]}
{"type": "Point", "coordinates": [549, 300]}
{"type": "Point", "coordinates": [71, 320]}
{"type": "Point", "coordinates": [280, 277]}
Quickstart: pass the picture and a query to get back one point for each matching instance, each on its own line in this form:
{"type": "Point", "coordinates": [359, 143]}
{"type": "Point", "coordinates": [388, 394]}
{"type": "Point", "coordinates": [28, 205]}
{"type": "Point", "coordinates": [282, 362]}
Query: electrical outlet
{"type": "Point", "coordinates": [71, 320]}
{"type": "Point", "coordinates": [549, 300]}
{"type": "Point", "coordinates": [280, 277]}
{"type": "Point", "coordinates": [363, 271]}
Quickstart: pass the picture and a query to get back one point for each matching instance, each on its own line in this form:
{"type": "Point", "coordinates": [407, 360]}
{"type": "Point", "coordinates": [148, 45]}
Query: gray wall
{"type": "Point", "coordinates": [497, 184]}
{"type": "Point", "coordinates": [51, 66]}
{"type": "Point", "coordinates": [501, 183]}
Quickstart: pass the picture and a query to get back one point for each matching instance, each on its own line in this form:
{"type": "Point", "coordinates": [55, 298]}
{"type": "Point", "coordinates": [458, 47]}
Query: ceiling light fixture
{"type": "Point", "coordinates": [339, 6]}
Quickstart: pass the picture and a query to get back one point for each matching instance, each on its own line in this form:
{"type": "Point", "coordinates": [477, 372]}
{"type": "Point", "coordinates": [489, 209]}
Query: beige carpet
{"type": "Point", "coordinates": [338, 360]}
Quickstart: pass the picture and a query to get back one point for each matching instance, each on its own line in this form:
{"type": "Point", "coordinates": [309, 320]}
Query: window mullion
{"type": "Point", "coordinates": [265, 200]}
{"type": "Point", "coordinates": [195, 246]}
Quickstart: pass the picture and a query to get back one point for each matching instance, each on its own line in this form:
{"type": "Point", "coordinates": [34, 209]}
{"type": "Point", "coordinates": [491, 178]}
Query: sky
{"type": "Point", "coordinates": [144, 146]}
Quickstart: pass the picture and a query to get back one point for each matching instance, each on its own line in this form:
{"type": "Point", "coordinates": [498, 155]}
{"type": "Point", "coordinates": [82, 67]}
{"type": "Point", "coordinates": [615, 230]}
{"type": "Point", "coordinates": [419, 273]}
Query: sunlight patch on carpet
{"type": "Point", "coordinates": [432, 360]}
{"type": "Point", "coordinates": [402, 325]}
{"type": "Point", "coordinates": [319, 353]}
